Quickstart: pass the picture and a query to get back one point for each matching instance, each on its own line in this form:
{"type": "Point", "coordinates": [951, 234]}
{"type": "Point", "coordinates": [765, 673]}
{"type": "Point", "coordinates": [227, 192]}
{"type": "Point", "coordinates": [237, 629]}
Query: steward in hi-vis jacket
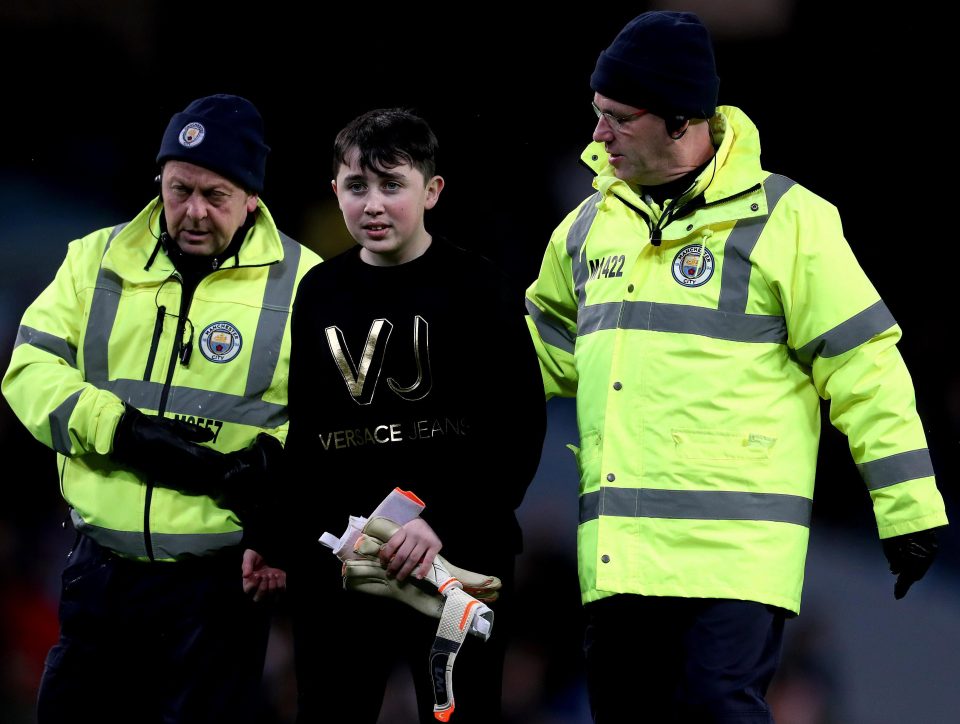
{"type": "Point", "coordinates": [155, 365]}
{"type": "Point", "coordinates": [110, 330]}
{"type": "Point", "coordinates": [698, 317]}
{"type": "Point", "coordinates": [698, 360]}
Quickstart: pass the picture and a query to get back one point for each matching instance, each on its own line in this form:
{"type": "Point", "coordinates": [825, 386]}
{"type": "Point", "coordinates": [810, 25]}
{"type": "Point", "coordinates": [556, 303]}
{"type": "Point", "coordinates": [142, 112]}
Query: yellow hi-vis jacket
{"type": "Point", "coordinates": [106, 330]}
{"type": "Point", "coordinates": [698, 365]}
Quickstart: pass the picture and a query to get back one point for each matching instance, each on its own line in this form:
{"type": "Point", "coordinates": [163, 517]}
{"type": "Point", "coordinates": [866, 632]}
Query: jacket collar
{"type": "Point", "coordinates": [130, 250]}
{"type": "Point", "coordinates": [736, 168]}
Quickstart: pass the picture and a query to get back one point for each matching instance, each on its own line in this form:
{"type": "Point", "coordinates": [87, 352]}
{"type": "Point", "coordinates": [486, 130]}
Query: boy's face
{"type": "Point", "coordinates": [383, 209]}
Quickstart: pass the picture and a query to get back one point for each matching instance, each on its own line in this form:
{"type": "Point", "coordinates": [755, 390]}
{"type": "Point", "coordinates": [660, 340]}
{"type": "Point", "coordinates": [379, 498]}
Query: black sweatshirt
{"type": "Point", "coordinates": [420, 376]}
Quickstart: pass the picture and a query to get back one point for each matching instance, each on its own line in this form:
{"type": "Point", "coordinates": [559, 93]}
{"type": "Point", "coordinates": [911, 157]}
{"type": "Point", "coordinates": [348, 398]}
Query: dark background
{"type": "Point", "coordinates": [848, 104]}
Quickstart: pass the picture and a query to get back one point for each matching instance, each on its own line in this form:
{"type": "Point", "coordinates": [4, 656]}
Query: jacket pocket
{"type": "Point", "coordinates": [720, 445]}
{"type": "Point", "coordinates": [588, 461]}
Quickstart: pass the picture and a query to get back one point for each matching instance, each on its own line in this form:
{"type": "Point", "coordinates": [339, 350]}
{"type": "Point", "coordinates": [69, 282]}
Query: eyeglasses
{"type": "Point", "coordinates": [616, 121]}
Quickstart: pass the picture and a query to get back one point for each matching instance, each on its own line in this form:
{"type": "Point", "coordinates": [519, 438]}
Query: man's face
{"type": "Point", "coordinates": [203, 209]}
{"type": "Point", "coordinates": [640, 149]}
{"type": "Point", "coordinates": [383, 209]}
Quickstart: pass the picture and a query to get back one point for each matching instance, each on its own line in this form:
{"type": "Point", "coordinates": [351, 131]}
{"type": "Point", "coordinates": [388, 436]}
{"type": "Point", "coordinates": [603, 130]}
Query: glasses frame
{"type": "Point", "coordinates": [615, 121]}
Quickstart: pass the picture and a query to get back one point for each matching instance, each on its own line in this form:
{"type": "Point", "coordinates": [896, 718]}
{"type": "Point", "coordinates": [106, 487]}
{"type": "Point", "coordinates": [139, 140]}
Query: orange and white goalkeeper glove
{"type": "Point", "coordinates": [427, 595]}
{"type": "Point", "coordinates": [454, 595]}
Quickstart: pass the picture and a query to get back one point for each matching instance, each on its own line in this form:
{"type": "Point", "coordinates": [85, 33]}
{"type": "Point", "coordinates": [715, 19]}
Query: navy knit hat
{"type": "Point", "coordinates": [661, 61]}
{"type": "Point", "coordinates": [222, 133]}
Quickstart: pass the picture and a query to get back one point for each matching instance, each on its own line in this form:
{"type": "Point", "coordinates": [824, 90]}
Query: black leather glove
{"type": "Point", "coordinates": [246, 474]}
{"type": "Point", "coordinates": [910, 555]}
{"type": "Point", "coordinates": [166, 451]}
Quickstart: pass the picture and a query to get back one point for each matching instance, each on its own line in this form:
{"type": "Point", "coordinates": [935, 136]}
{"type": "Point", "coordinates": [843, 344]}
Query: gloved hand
{"type": "Point", "coordinates": [369, 576]}
{"type": "Point", "coordinates": [910, 555]}
{"type": "Point", "coordinates": [165, 450]}
{"type": "Point", "coordinates": [246, 472]}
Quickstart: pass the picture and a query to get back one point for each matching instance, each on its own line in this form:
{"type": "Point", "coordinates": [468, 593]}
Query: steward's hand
{"type": "Point", "coordinates": [246, 474]}
{"type": "Point", "coordinates": [168, 453]}
{"type": "Point", "coordinates": [164, 450]}
{"type": "Point", "coordinates": [910, 555]}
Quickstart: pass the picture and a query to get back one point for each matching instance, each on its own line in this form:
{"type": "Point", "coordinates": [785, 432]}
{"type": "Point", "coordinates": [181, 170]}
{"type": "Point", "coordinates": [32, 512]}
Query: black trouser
{"type": "Point", "coordinates": [154, 642]}
{"type": "Point", "coordinates": [696, 661]}
{"type": "Point", "coordinates": [347, 644]}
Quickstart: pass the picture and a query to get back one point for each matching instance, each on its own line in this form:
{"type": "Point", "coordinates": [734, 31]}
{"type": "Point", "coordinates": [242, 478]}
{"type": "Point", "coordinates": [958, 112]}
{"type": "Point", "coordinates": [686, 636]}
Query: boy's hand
{"type": "Point", "coordinates": [259, 579]}
{"type": "Point", "coordinates": [414, 544]}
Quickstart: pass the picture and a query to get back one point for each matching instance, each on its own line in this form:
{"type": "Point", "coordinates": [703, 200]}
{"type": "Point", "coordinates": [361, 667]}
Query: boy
{"type": "Point", "coordinates": [396, 382]}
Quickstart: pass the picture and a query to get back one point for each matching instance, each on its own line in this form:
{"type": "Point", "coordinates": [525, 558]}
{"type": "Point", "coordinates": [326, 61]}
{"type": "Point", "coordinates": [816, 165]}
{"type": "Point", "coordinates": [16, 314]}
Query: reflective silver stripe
{"type": "Point", "coordinates": [575, 240]}
{"type": "Point", "coordinates": [103, 313]}
{"type": "Point", "coordinates": [735, 282]}
{"type": "Point", "coordinates": [113, 234]}
{"type": "Point", "coordinates": [199, 403]}
{"type": "Point", "coordinates": [129, 543]}
{"type": "Point", "coordinates": [281, 280]}
{"type": "Point", "coordinates": [59, 421]}
{"type": "Point", "coordinates": [848, 335]}
{"type": "Point", "coordinates": [600, 316]}
{"type": "Point", "coordinates": [165, 545]}
{"type": "Point", "coordinates": [144, 395]}
{"type": "Point", "coordinates": [56, 346]}
{"type": "Point", "coordinates": [897, 468]}
{"type": "Point", "coordinates": [174, 545]}
{"type": "Point", "coordinates": [695, 504]}
{"type": "Point", "coordinates": [187, 401]}
{"type": "Point", "coordinates": [550, 331]}
{"type": "Point", "coordinates": [683, 319]}
{"type": "Point", "coordinates": [229, 408]}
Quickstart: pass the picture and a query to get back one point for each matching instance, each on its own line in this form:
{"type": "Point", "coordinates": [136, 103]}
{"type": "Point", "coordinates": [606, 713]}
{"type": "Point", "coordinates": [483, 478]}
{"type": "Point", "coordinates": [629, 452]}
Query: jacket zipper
{"type": "Point", "coordinates": [176, 351]}
{"type": "Point", "coordinates": [697, 202]}
{"type": "Point", "coordinates": [155, 342]}
{"type": "Point", "coordinates": [179, 353]}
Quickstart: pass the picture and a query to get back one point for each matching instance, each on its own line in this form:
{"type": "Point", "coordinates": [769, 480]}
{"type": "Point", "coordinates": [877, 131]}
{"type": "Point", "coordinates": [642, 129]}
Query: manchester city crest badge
{"type": "Point", "coordinates": [192, 134]}
{"type": "Point", "coordinates": [220, 342]}
{"type": "Point", "coordinates": [693, 265]}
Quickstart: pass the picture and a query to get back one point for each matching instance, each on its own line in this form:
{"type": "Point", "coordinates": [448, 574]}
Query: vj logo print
{"type": "Point", "coordinates": [362, 381]}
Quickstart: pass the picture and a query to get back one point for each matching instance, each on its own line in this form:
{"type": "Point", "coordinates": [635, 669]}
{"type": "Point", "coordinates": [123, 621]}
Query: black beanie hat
{"type": "Point", "coordinates": [663, 62]}
{"type": "Point", "coordinates": [222, 133]}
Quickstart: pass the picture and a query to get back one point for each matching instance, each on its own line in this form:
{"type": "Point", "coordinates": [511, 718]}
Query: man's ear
{"type": "Point", "coordinates": [333, 185]}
